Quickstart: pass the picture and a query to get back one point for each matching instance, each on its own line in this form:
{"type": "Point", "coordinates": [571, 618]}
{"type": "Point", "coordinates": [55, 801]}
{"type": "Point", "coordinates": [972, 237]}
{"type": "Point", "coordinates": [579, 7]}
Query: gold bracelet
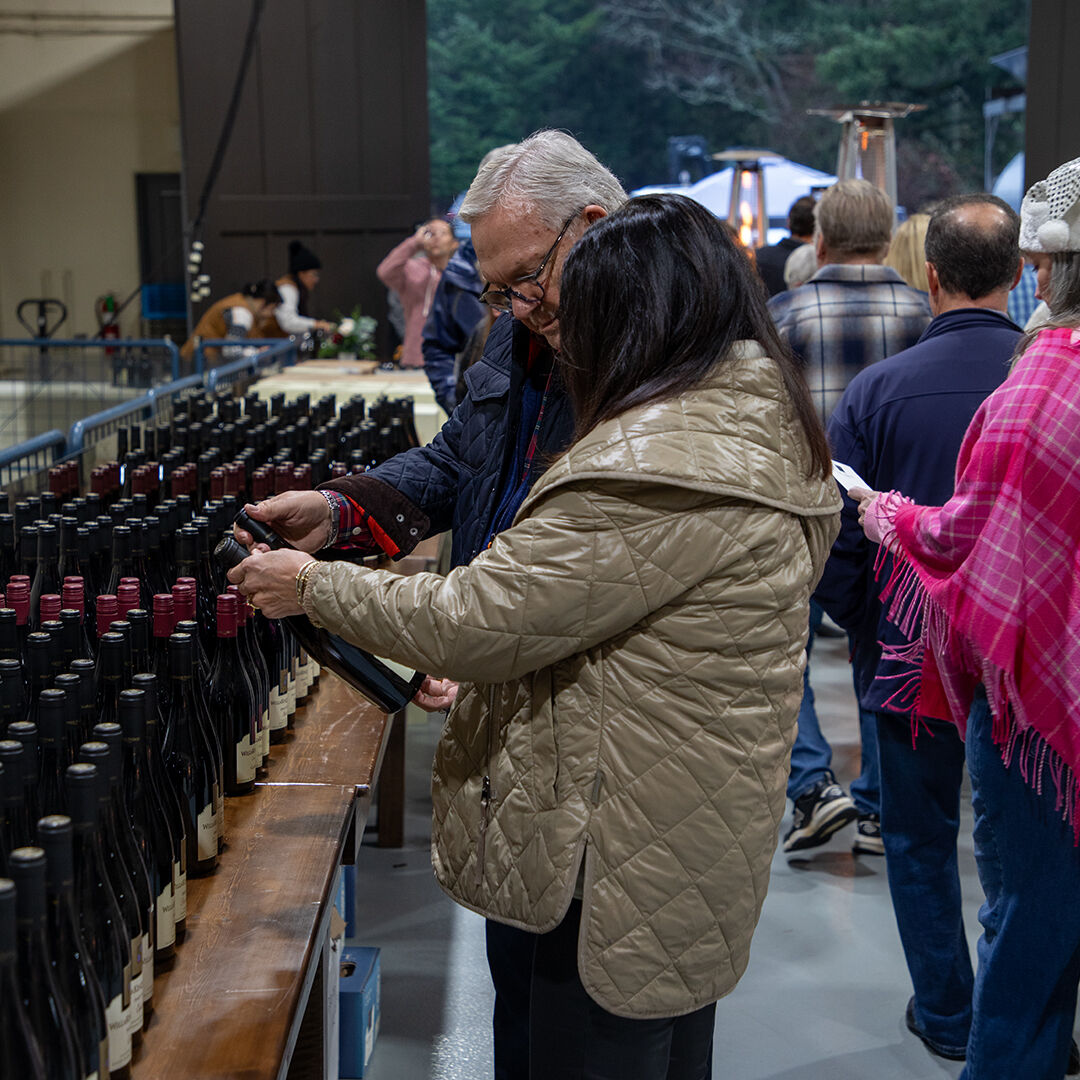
{"type": "Point", "coordinates": [301, 580]}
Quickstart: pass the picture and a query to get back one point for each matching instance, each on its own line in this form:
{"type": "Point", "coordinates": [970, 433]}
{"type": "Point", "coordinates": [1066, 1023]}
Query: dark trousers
{"type": "Point", "coordinates": [548, 1027]}
{"type": "Point", "coordinates": [920, 822]}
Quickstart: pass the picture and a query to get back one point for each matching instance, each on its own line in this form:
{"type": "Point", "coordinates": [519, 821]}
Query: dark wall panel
{"type": "Point", "coordinates": [1053, 87]}
{"type": "Point", "coordinates": [330, 144]}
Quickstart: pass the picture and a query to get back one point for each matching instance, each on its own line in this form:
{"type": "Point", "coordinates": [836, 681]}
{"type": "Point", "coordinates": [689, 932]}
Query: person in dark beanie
{"type": "Point", "coordinates": [291, 315]}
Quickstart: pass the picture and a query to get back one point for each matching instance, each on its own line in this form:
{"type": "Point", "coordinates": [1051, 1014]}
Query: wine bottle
{"type": "Point", "coordinates": [367, 674]}
{"type": "Point", "coordinates": [68, 952]}
{"type": "Point", "coordinates": [13, 704]}
{"type": "Point", "coordinates": [53, 756]}
{"type": "Point", "coordinates": [127, 847]}
{"type": "Point", "coordinates": [87, 698]}
{"type": "Point", "coordinates": [254, 662]}
{"type": "Point", "coordinates": [101, 922]}
{"type": "Point", "coordinates": [190, 761]}
{"type": "Point", "coordinates": [9, 635]}
{"type": "Point", "coordinates": [150, 829]}
{"type": "Point", "coordinates": [46, 1009]}
{"type": "Point", "coordinates": [233, 703]}
{"type": "Point", "coordinates": [164, 621]}
{"type": "Point", "coordinates": [46, 576]}
{"type": "Point", "coordinates": [110, 676]}
{"type": "Point", "coordinates": [17, 831]}
{"type": "Point", "coordinates": [71, 684]}
{"type": "Point", "coordinates": [20, 1051]}
{"type": "Point", "coordinates": [167, 794]}
{"type": "Point", "coordinates": [206, 726]}
{"type": "Point", "coordinates": [17, 598]}
{"type": "Point", "coordinates": [26, 733]}
{"type": "Point", "coordinates": [96, 753]}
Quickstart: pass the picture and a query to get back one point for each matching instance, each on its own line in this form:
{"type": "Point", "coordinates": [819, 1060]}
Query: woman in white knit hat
{"type": "Point", "coordinates": [994, 575]}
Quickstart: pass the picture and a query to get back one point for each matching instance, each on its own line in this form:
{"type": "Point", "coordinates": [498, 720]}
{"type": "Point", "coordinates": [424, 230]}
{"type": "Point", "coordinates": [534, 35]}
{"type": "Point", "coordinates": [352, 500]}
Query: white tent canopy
{"type": "Point", "coordinates": [785, 181]}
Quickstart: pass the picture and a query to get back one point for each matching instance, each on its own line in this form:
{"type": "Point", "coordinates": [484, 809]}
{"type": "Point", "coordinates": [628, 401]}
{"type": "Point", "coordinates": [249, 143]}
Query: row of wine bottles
{"type": "Point", "coordinates": [137, 691]}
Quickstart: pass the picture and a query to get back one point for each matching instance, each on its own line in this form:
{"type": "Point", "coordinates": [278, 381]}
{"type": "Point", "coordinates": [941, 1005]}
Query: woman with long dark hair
{"type": "Point", "coordinates": [611, 776]}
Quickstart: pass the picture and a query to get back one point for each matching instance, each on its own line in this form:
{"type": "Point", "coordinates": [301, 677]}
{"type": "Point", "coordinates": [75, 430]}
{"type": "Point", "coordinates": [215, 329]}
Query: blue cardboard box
{"type": "Point", "coordinates": [358, 995]}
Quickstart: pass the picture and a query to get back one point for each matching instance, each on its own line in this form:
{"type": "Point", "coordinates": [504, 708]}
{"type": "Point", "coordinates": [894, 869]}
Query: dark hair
{"type": "Point", "coordinates": [973, 258]}
{"type": "Point", "coordinates": [652, 298]}
{"type": "Point", "coordinates": [264, 289]}
{"type": "Point", "coordinates": [800, 216]}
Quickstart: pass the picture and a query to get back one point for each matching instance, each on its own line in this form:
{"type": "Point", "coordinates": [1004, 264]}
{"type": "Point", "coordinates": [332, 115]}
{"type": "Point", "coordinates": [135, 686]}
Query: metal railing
{"type": "Point", "coordinates": [226, 370]}
{"type": "Point", "coordinates": [48, 383]}
{"type": "Point", "coordinates": [27, 459]}
{"type": "Point", "coordinates": [92, 438]}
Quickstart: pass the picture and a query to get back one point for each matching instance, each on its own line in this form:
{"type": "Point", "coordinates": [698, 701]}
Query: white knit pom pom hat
{"type": "Point", "coordinates": [1050, 212]}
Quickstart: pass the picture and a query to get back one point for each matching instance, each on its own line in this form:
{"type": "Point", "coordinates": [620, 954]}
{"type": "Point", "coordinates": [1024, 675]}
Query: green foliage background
{"type": "Point", "coordinates": [498, 71]}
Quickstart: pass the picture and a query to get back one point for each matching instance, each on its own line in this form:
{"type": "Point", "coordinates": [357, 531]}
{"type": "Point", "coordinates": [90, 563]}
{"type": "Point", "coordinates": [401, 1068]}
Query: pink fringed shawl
{"type": "Point", "coordinates": [995, 573]}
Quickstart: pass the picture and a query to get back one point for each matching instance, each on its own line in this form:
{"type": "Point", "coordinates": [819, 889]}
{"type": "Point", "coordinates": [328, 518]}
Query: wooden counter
{"type": "Point", "coordinates": [253, 977]}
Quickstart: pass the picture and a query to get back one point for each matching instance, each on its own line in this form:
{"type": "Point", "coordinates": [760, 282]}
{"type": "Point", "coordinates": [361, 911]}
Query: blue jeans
{"type": "Point", "coordinates": [811, 756]}
{"type": "Point", "coordinates": [920, 821]}
{"type": "Point", "coordinates": [1029, 953]}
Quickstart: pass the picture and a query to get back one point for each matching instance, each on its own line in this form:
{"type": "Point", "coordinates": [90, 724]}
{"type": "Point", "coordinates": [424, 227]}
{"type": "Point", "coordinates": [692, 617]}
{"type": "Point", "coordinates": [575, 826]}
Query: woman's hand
{"type": "Point", "coordinates": [301, 517]}
{"type": "Point", "coordinates": [268, 579]}
{"type": "Point", "coordinates": [435, 695]}
{"type": "Point", "coordinates": [864, 498]}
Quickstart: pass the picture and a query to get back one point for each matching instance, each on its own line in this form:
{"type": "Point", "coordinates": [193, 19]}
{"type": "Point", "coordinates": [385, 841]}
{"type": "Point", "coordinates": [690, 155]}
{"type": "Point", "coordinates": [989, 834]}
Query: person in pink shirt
{"type": "Point", "coordinates": [413, 270]}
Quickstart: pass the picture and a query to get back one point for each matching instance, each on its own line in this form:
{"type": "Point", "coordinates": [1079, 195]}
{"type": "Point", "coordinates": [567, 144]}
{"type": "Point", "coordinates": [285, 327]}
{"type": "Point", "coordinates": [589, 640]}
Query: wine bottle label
{"type": "Point", "coordinates": [91, 1075]}
{"type": "Point", "coordinates": [119, 1034]}
{"type": "Point", "coordinates": [279, 718]}
{"type": "Point", "coordinates": [207, 829]}
{"type": "Point", "coordinates": [126, 995]}
{"type": "Point", "coordinates": [246, 760]}
{"type": "Point", "coordinates": [165, 907]}
{"type": "Point", "coordinates": [180, 889]}
{"type": "Point", "coordinates": [135, 1013]}
{"type": "Point", "coordinates": [147, 967]}
{"type": "Point", "coordinates": [290, 698]}
{"type": "Point", "coordinates": [262, 743]}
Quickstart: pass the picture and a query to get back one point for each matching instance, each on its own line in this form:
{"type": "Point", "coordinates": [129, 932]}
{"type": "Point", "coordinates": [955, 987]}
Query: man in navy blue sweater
{"type": "Point", "coordinates": [899, 424]}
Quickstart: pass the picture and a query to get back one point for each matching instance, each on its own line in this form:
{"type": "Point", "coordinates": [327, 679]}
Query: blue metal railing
{"type": "Point", "coordinates": [27, 457]}
{"type": "Point", "coordinates": [258, 353]}
{"type": "Point", "coordinates": [34, 455]}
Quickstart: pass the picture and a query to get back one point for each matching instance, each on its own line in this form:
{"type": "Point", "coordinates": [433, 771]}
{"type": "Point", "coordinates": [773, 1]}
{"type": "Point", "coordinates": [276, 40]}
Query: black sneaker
{"type": "Point", "coordinates": [823, 810]}
{"type": "Point", "coordinates": [868, 836]}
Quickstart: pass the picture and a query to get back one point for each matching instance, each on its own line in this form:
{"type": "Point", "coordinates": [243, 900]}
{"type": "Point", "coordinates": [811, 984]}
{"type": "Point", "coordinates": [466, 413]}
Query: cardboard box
{"type": "Point", "coordinates": [359, 1010]}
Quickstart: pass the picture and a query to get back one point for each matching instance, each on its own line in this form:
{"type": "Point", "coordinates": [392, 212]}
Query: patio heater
{"type": "Point", "coordinates": [747, 213]}
{"type": "Point", "coordinates": [868, 141]}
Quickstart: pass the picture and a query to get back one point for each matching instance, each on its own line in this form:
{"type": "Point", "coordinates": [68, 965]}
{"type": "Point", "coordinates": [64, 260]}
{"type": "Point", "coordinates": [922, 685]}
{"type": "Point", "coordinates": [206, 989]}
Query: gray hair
{"type": "Point", "coordinates": [1062, 297]}
{"type": "Point", "coordinates": [549, 174]}
{"type": "Point", "coordinates": [855, 218]}
{"type": "Point", "coordinates": [801, 266]}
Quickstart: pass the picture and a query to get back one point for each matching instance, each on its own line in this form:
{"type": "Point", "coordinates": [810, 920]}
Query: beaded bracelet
{"type": "Point", "coordinates": [302, 579]}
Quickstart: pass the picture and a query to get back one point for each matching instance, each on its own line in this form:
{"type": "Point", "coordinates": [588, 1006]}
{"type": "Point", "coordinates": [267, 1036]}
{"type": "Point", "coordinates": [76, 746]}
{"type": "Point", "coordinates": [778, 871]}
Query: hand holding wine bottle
{"type": "Point", "coordinates": [268, 579]}
{"type": "Point", "coordinates": [300, 517]}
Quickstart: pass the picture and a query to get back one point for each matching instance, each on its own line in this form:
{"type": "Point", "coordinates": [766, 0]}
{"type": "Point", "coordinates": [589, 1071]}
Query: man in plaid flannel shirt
{"type": "Point", "coordinates": [852, 313]}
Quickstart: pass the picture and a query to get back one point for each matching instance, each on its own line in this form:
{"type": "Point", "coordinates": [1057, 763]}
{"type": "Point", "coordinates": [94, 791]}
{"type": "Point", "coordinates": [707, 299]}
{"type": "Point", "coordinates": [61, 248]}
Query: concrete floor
{"type": "Point", "coordinates": [823, 997]}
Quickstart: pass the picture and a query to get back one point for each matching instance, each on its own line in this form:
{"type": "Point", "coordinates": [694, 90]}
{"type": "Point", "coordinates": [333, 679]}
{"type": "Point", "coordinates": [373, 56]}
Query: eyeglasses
{"type": "Point", "coordinates": [503, 299]}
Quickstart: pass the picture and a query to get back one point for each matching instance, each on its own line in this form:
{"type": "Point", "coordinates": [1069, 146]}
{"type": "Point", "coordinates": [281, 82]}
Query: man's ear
{"type": "Point", "coordinates": [820, 250]}
{"type": "Point", "coordinates": [933, 279]}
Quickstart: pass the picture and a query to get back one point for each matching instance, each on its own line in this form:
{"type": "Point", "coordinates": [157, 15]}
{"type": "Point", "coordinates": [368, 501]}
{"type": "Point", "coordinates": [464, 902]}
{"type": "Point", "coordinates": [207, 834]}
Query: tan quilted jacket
{"type": "Point", "coordinates": [631, 654]}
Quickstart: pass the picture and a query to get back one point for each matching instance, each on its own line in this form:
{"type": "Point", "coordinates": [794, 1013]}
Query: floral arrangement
{"type": "Point", "coordinates": [355, 335]}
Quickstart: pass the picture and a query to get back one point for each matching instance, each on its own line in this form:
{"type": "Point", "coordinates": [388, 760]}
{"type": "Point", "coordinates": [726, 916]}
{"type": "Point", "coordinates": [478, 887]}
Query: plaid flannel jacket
{"type": "Point", "coordinates": [845, 318]}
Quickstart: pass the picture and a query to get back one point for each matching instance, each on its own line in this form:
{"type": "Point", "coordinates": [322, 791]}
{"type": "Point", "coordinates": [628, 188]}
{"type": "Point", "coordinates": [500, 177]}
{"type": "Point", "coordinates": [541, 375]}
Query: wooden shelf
{"type": "Point", "coordinates": [232, 1006]}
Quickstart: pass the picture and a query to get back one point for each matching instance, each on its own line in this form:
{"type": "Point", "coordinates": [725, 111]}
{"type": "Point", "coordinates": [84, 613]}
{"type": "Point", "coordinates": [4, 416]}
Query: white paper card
{"type": "Point", "coordinates": [847, 477]}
